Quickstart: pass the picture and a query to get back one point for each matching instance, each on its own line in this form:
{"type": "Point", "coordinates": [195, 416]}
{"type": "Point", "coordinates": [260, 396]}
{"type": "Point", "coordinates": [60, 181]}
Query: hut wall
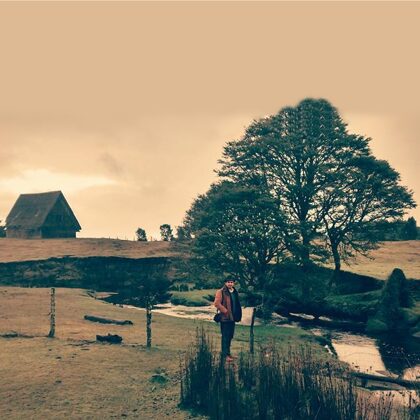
{"type": "Point", "coordinates": [58, 232]}
{"type": "Point", "coordinates": [23, 233]}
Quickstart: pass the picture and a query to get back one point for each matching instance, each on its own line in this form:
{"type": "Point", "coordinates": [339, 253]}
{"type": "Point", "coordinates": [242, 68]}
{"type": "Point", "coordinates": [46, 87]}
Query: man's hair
{"type": "Point", "coordinates": [229, 278]}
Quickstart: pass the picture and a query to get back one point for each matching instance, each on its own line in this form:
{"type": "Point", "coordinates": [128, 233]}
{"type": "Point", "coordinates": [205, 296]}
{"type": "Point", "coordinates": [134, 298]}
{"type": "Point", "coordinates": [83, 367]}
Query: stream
{"type": "Point", "coordinates": [397, 357]}
{"type": "Point", "coordinates": [388, 357]}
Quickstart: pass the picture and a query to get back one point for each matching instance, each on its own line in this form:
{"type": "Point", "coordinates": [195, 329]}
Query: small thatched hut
{"type": "Point", "coordinates": [43, 215]}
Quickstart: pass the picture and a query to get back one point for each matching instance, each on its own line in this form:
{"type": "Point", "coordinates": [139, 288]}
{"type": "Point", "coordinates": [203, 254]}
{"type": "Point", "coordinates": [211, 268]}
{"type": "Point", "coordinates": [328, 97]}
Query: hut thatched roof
{"type": "Point", "coordinates": [31, 210]}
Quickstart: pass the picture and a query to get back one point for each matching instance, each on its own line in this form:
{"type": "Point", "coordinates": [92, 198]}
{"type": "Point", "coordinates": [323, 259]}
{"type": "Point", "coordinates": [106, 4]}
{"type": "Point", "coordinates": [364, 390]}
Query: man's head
{"type": "Point", "coordinates": [229, 282]}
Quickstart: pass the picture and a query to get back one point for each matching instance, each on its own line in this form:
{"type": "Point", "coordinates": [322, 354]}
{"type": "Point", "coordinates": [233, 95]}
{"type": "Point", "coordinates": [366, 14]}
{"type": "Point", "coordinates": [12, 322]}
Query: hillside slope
{"type": "Point", "coordinates": [14, 250]}
{"type": "Point", "coordinates": [402, 254]}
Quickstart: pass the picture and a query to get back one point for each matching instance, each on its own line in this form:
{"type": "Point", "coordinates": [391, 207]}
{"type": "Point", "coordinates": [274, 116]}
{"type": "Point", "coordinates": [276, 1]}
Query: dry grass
{"type": "Point", "coordinates": [41, 249]}
{"type": "Point", "coordinates": [390, 255]}
{"type": "Point", "coordinates": [72, 376]}
{"type": "Point", "coordinates": [402, 254]}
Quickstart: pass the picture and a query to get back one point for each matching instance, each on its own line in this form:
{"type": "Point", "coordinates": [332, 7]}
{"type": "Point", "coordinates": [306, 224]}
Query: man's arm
{"type": "Point", "coordinates": [218, 302]}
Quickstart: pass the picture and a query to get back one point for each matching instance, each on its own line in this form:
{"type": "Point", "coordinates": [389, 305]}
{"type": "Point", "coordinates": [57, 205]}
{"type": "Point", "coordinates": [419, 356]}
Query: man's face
{"type": "Point", "coordinates": [230, 284]}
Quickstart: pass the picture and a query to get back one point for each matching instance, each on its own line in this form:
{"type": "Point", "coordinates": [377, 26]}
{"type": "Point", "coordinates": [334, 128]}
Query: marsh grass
{"type": "Point", "coordinates": [275, 384]}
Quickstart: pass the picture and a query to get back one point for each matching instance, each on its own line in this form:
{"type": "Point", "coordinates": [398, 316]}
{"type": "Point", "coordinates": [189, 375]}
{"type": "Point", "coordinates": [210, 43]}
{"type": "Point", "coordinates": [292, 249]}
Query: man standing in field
{"type": "Point", "coordinates": [227, 302]}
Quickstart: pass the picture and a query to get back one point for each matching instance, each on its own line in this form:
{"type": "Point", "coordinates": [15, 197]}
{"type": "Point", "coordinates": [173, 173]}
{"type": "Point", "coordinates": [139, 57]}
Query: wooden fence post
{"type": "Point", "coordinates": [251, 332]}
{"type": "Point", "coordinates": [52, 314]}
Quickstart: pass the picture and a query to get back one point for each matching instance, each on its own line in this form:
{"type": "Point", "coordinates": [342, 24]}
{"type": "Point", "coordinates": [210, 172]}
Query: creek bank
{"type": "Point", "coordinates": [383, 356]}
{"type": "Point", "coordinates": [326, 322]}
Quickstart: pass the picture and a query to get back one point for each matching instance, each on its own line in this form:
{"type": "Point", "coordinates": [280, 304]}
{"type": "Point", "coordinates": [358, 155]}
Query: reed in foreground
{"type": "Point", "coordinates": [274, 385]}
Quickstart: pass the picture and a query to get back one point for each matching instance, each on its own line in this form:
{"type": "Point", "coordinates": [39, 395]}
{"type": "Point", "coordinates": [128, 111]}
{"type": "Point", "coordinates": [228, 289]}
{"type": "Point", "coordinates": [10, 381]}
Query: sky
{"type": "Point", "coordinates": [126, 106]}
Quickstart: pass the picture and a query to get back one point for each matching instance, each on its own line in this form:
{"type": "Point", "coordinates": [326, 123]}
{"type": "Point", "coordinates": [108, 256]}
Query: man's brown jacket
{"type": "Point", "coordinates": [223, 303]}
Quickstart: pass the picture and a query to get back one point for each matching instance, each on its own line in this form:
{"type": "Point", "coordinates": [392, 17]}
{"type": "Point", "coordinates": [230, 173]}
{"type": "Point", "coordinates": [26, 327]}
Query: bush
{"type": "Point", "coordinates": [376, 326]}
{"type": "Point", "coordinates": [395, 296]}
{"type": "Point", "coordinates": [184, 287]}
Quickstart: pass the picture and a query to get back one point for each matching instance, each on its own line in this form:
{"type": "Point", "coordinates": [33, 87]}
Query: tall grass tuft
{"type": "Point", "coordinates": [274, 385]}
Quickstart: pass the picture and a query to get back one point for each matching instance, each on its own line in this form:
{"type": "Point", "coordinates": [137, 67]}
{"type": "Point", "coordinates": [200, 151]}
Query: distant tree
{"type": "Point", "coordinates": [141, 235]}
{"type": "Point", "coordinates": [166, 233]}
{"type": "Point", "coordinates": [182, 234]}
{"type": "Point", "coordinates": [150, 288]}
{"type": "Point", "coordinates": [2, 231]}
{"type": "Point", "coordinates": [237, 231]}
{"type": "Point", "coordinates": [387, 231]}
{"type": "Point", "coordinates": [409, 231]}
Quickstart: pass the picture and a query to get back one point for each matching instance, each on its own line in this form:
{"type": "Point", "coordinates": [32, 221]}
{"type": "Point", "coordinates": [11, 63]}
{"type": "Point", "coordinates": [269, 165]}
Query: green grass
{"type": "Point", "coordinates": [361, 304]}
{"type": "Point", "coordinates": [193, 297]}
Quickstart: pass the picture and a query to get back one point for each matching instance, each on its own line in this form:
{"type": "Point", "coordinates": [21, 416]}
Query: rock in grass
{"type": "Point", "coordinates": [110, 338]}
{"type": "Point", "coordinates": [107, 320]}
{"type": "Point", "coordinates": [10, 334]}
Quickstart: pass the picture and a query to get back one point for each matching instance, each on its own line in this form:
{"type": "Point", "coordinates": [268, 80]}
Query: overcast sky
{"type": "Point", "coordinates": [125, 107]}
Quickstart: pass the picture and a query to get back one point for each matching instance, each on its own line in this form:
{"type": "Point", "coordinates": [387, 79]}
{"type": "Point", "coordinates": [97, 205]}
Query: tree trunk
{"type": "Point", "coordinates": [52, 314]}
{"type": "Point", "coordinates": [251, 332]}
{"type": "Point", "coordinates": [337, 265]}
{"type": "Point", "coordinates": [149, 326]}
{"type": "Point", "coordinates": [337, 258]}
{"type": "Point", "coordinates": [305, 254]}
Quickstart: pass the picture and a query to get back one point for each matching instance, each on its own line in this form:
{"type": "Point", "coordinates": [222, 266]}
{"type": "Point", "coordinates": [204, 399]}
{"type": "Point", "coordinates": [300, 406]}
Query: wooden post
{"type": "Point", "coordinates": [52, 314]}
{"type": "Point", "coordinates": [251, 332]}
{"type": "Point", "coordinates": [149, 326]}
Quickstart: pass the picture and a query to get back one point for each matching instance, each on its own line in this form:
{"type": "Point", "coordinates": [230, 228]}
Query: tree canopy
{"type": "Point", "coordinates": [166, 232]}
{"type": "Point", "coordinates": [238, 230]}
{"type": "Point", "coordinates": [324, 180]}
{"type": "Point", "coordinates": [141, 235]}
{"type": "Point", "coordinates": [410, 229]}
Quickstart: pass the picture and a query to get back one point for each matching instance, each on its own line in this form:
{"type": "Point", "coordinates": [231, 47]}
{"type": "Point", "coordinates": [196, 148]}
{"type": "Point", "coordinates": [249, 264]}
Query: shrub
{"type": "Point", "coordinates": [184, 287]}
{"type": "Point", "coordinates": [395, 296]}
{"type": "Point", "coordinates": [376, 326]}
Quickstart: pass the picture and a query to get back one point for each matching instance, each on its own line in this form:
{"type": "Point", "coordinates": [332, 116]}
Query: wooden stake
{"type": "Point", "coordinates": [149, 326]}
{"type": "Point", "coordinates": [52, 314]}
{"type": "Point", "coordinates": [251, 332]}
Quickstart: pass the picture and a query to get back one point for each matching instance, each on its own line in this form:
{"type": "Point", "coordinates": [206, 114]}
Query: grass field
{"type": "Point", "coordinates": [401, 254]}
{"type": "Point", "coordinates": [72, 376]}
{"type": "Point", "coordinates": [390, 255]}
{"type": "Point", "coordinates": [12, 250]}
{"type": "Point", "coordinates": [193, 297]}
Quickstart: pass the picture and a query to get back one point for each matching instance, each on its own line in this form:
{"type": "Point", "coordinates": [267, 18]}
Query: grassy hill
{"type": "Point", "coordinates": [401, 254]}
{"type": "Point", "coordinates": [14, 250]}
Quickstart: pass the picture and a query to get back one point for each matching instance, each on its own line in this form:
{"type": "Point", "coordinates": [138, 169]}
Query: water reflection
{"type": "Point", "coordinates": [359, 351]}
{"type": "Point", "coordinates": [401, 355]}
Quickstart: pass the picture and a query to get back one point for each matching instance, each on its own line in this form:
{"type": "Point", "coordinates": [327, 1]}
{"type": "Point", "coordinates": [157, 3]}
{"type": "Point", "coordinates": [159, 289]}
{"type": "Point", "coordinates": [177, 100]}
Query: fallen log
{"type": "Point", "coordinates": [110, 338]}
{"type": "Point", "coordinates": [107, 320]}
{"type": "Point", "coordinates": [403, 382]}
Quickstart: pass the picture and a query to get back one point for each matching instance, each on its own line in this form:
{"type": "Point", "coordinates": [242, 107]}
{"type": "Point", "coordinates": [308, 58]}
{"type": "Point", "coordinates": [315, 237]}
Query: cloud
{"type": "Point", "coordinates": [41, 180]}
{"type": "Point", "coordinates": [111, 164]}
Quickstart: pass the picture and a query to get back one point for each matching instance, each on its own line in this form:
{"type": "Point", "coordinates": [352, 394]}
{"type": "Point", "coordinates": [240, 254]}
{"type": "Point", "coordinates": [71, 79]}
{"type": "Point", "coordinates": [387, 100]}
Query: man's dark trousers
{"type": "Point", "coordinates": [227, 328]}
